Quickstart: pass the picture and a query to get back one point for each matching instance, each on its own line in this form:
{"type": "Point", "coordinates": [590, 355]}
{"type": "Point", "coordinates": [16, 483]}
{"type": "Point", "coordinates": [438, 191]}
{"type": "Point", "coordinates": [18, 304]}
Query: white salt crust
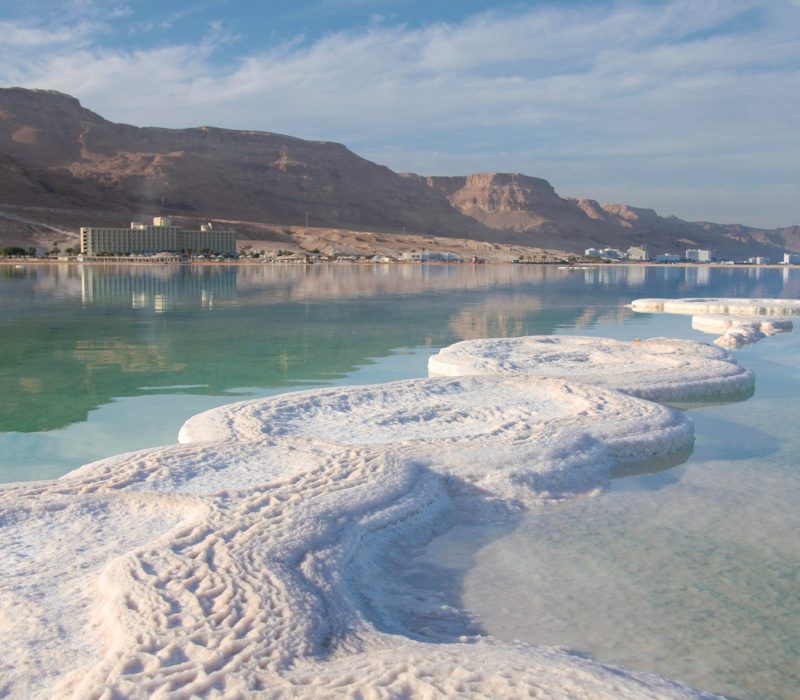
{"type": "Point", "coordinates": [237, 568]}
{"type": "Point", "coordinates": [659, 369]}
{"type": "Point", "coordinates": [724, 306]}
{"type": "Point", "coordinates": [738, 331]}
{"type": "Point", "coordinates": [739, 321]}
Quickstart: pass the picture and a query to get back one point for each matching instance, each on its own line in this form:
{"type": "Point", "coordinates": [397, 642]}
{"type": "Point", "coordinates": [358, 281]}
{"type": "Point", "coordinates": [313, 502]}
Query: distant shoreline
{"type": "Point", "coordinates": [21, 262]}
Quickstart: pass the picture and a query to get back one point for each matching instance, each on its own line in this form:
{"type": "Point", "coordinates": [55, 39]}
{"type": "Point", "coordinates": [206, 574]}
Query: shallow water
{"type": "Point", "coordinates": [691, 571]}
{"type": "Point", "coordinates": [96, 360]}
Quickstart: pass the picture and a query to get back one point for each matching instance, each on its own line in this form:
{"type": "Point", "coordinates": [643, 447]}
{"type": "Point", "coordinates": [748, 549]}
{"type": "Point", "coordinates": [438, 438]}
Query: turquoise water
{"type": "Point", "coordinates": [96, 360]}
{"type": "Point", "coordinates": [691, 572]}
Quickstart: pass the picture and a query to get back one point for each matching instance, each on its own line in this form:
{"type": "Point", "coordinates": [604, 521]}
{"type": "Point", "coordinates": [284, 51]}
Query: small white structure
{"type": "Point", "coordinates": [432, 256]}
{"type": "Point", "coordinates": [698, 255]}
{"type": "Point", "coordinates": [758, 260]}
{"type": "Point", "coordinates": [668, 257]}
{"type": "Point", "coordinates": [612, 254]}
{"type": "Point", "coordinates": [411, 256]}
{"type": "Point", "coordinates": [637, 253]}
{"type": "Point", "coordinates": [592, 253]}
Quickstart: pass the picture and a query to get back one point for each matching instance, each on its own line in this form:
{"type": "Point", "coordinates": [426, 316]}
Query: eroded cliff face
{"type": "Point", "coordinates": [510, 201]}
{"type": "Point", "coordinates": [530, 205]}
{"type": "Point", "coordinates": [56, 155]}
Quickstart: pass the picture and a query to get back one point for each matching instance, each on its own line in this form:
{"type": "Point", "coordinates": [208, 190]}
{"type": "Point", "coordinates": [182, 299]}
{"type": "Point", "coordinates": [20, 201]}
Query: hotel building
{"type": "Point", "coordinates": [159, 237]}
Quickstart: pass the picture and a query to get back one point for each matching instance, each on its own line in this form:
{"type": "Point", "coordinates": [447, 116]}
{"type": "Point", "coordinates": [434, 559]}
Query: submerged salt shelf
{"type": "Point", "coordinates": [738, 331]}
{"type": "Point", "coordinates": [659, 369]}
{"type": "Point", "coordinates": [238, 565]}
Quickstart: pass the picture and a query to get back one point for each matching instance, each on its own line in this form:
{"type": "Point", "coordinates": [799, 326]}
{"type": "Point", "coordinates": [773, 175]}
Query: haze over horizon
{"type": "Point", "coordinates": [686, 107]}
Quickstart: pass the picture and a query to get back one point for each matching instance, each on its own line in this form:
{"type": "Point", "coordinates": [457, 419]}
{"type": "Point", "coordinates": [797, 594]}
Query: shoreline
{"type": "Point", "coordinates": [21, 262]}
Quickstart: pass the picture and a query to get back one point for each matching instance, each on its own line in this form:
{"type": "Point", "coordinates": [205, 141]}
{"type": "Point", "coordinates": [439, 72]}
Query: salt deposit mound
{"type": "Point", "coordinates": [500, 433]}
{"type": "Point", "coordinates": [658, 369]}
{"type": "Point", "coordinates": [239, 567]}
{"type": "Point", "coordinates": [725, 306]}
{"type": "Point", "coordinates": [738, 331]}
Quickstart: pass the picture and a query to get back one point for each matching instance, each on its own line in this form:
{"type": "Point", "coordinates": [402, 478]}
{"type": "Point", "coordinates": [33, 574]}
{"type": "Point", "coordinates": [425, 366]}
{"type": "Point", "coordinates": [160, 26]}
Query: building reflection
{"type": "Point", "coordinates": [697, 276]}
{"type": "Point", "coordinates": [159, 288]}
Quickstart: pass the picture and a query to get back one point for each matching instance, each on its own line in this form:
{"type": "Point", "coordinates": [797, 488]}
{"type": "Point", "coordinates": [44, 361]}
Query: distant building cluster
{"type": "Point", "coordinates": [640, 254]}
{"type": "Point", "coordinates": [696, 255]}
{"type": "Point", "coordinates": [428, 256]}
{"type": "Point", "coordinates": [159, 237]}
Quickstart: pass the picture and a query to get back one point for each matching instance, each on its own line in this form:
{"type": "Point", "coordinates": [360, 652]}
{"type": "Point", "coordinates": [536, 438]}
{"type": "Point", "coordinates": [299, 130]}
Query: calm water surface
{"type": "Point", "coordinates": [691, 572]}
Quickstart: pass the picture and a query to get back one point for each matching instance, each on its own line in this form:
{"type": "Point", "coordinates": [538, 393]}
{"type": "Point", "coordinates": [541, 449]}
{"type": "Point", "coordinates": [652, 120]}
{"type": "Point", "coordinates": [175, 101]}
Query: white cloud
{"type": "Point", "coordinates": [614, 95]}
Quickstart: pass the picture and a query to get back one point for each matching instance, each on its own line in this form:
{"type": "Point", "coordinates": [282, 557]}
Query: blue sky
{"type": "Point", "coordinates": [690, 107]}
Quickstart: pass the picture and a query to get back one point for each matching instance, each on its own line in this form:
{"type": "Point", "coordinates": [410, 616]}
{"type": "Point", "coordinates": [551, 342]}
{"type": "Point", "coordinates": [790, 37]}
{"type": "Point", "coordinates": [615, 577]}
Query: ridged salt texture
{"type": "Point", "coordinates": [738, 331]}
{"type": "Point", "coordinates": [237, 568]}
{"type": "Point", "coordinates": [659, 369]}
{"type": "Point", "coordinates": [498, 432]}
{"type": "Point", "coordinates": [725, 306]}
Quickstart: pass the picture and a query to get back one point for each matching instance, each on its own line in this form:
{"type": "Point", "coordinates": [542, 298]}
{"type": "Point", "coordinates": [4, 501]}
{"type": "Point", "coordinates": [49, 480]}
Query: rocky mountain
{"type": "Point", "coordinates": [63, 166]}
{"type": "Point", "coordinates": [54, 150]}
{"type": "Point", "coordinates": [530, 205]}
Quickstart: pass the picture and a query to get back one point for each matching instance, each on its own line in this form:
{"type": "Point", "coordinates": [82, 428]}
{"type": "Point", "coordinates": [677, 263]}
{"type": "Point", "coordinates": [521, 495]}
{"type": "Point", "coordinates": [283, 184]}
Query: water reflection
{"type": "Point", "coordinates": [653, 465]}
{"type": "Point", "coordinates": [158, 286]}
{"type": "Point", "coordinates": [697, 276]}
{"type": "Point", "coordinates": [77, 337]}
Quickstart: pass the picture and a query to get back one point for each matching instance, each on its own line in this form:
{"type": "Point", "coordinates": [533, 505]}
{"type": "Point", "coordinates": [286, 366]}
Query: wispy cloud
{"type": "Point", "coordinates": [617, 98]}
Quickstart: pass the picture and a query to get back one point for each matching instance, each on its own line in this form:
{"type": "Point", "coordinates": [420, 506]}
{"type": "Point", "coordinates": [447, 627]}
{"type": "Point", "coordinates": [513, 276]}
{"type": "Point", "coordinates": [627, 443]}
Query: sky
{"type": "Point", "coordinates": [689, 107]}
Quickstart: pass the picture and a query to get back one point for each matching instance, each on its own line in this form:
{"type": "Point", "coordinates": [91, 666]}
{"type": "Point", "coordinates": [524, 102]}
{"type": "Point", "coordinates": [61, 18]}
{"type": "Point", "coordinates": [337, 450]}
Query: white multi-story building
{"type": "Point", "coordinates": [668, 257]}
{"type": "Point", "coordinates": [159, 237]}
{"type": "Point", "coordinates": [612, 254]}
{"type": "Point", "coordinates": [698, 255]}
{"type": "Point", "coordinates": [791, 258]}
{"type": "Point", "coordinates": [636, 252]}
{"type": "Point", "coordinates": [592, 253]}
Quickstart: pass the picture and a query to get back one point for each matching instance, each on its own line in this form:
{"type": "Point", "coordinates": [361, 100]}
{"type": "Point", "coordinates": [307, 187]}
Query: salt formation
{"type": "Point", "coordinates": [738, 331]}
{"type": "Point", "coordinates": [501, 434]}
{"type": "Point", "coordinates": [740, 321]}
{"type": "Point", "coordinates": [725, 306]}
{"type": "Point", "coordinates": [238, 563]}
{"type": "Point", "coordinates": [659, 369]}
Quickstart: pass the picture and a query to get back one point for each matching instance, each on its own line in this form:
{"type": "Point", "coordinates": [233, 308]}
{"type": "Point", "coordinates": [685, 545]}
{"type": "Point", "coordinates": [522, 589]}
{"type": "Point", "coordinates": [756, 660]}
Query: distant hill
{"type": "Point", "coordinates": [70, 166]}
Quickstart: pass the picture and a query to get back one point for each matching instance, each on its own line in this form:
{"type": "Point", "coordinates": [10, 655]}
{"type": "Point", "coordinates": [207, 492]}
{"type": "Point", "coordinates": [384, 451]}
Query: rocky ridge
{"type": "Point", "coordinates": [63, 166]}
